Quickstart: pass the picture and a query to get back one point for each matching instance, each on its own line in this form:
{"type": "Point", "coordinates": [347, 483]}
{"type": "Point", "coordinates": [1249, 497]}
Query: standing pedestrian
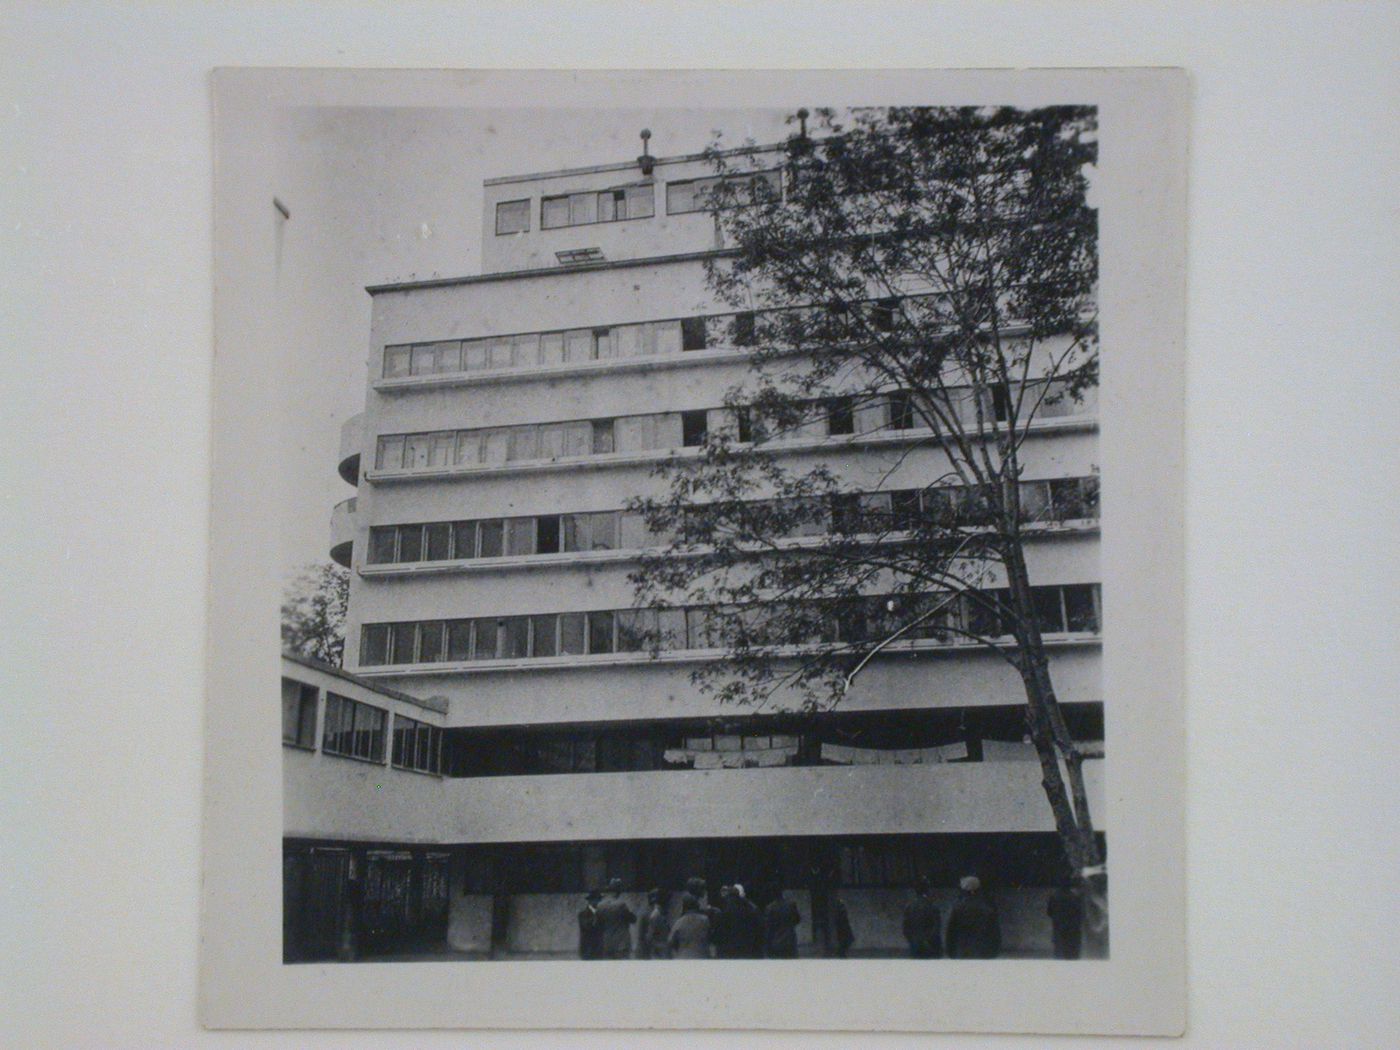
{"type": "Point", "coordinates": [749, 925]}
{"type": "Point", "coordinates": [690, 936]}
{"type": "Point", "coordinates": [652, 930]}
{"type": "Point", "coordinates": [724, 927]}
{"type": "Point", "coordinates": [615, 921]}
{"type": "Point", "coordinates": [923, 924]}
{"type": "Point", "coordinates": [845, 936]}
{"type": "Point", "coordinates": [590, 943]}
{"type": "Point", "coordinates": [1066, 910]}
{"type": "Point", "coordinates": [974, 929]}
{"type": "Point", "coordinates": [780, 921]}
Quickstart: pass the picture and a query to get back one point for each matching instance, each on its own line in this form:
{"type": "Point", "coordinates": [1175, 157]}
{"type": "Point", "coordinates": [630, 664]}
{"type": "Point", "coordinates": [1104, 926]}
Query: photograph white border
{"type": "Point", "coordinates": [1141, 193]}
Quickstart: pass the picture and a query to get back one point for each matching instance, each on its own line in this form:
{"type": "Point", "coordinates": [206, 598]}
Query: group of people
{"type": "Point", "coordinates": [735, 929]}
{"type": "Point", "coordinates": [739, 929]}
{"type": "Point", "coordinates": [974, 927]}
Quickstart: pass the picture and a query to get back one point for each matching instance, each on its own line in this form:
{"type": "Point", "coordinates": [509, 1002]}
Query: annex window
{"type": "Point", "coordinates": [417, 745]}
{"type": "Point", "coordinates": [693, 427]}
{"type": "Point", "coordinates": [513, 216]}
{"type": "Point", "coordinates": [693, 333]}
{"type": "Point", "coordinates": [840, 416]}
{"type": "Point", "coordinates": [298, 713]}
{"type": "Point", "coordinates": [699, 194]}
{"type": "Point", "coordinates": [610, 205]}
{"type": "Point", "coordinates": [353, 729]}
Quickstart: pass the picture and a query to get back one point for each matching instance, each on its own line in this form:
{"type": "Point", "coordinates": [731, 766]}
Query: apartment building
{"type": "Point", "coordinates": [509, 417]}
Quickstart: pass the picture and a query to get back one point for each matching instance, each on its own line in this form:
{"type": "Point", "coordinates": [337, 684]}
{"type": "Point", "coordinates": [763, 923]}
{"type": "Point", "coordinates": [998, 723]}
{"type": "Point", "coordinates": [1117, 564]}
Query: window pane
{"type": "Point", "coordinates": [602, 344]}
{"type": "Point", "coordinates": [474, 355]}
{"type": "Point", "coordinates": [545, 630]}
{"type": "Point", "coordinates": [680, 197]}
{"type": "Point", "coordinates": [485, 644]}
{"type": "Point", "coordinates": [524, 350]}
{"type": "Point", "coordinates": [552, 348]}
{"type": "Point", "coordinates": [449, 357]}
{"type": "Point", "coordinates": [693, 333]}
{"type": "Point", "coordinates": [571, 633]}
{"type": "Point", "coordinates": [492, 537]}
{"type": "Point", "coordinates": [600, 632]}
{"type": "Point", "coordinates": [700, 629]}
{"type": "Point", "coordinates": [381, 544]}
{"type": "Point", "coordinates": [424, 360]}
{"type": "Point", "coordinates": [604, 440]}
{"type": "Point", "coordinates": [438, 539]}
{"type": "Point", "coordinates": [604, 530]}
{"type": "Point", "coordinates": [667, 335]}
{"type": "Point", "coordinates": [402, 637]}
{"type": "Point", "coordinates": [627, 340]}
{"type": "Point", "coordinates": [512, 216]}
{"type": "Point", "coordinates": [1035, 501]}
{"type": "Point", "coordinates": [1081, 609]}
{"type": "Point", "coordinates": [607, 207]}
{"type": "Point", "coordinates": [1049, 617]}
{"type": "Point", "coordinates": [396, 361]}
{"type": "Point", "coordinates": [666, 431]}
{"type": "Point", "coordinates": [554, 212]}
{"type": "Point", "coordinates": [552, 439]}
{"type": "Point", "coordinates": [515, 636]}
{"type": "Point", "coordinates": [583, 208]}
{"type": "Point", "coordinates": [306, 725]}
{"type": "Point", "coordinates": [633, 533]}
{"type": "Point", "coordinates": [291, 710]}
{"type": "Point", "coordinates": [1068, 497]}
{"type": "Point", "coordinates": [636, 630]}
{"type": "Point", "coordinates": [547, 535]}
{"type": "Point", "coordinates": [520, 536]}
{"type": "Point", "coordinates": [390, 454]}
{"type": "Point", "coordinates": [464, 539]}
{"type": "Point", "coordinates": [495, 446]}
{"type": "Point", "coordinates": [578, 345]}
{"type": "Point", "coordinates": [401, 730]}
{"type": "Point", "coordinates": [374, 644]}
{"type": "Point", "coordinates": [410, 543]}
{"type": "Point", "coordinates": [468, 448]}
{"type": "Point", "coordinates": [416, 446]}
{"type": "Point", "coordinates": [459, 639]}
{"type": "Point", "coordinates": [641, 202]}
{"type": "Point", "coordinates": [430, 641]}
{"type": "Point", "coordinates": [578, 532]}
{"type": "Point", "coordinates": [670, 629]}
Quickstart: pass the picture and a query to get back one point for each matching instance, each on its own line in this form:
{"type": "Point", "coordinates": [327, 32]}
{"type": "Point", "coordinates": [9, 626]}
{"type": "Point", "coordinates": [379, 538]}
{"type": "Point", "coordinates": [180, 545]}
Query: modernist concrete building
{"type": "Point", "coordinates": [509, 416]}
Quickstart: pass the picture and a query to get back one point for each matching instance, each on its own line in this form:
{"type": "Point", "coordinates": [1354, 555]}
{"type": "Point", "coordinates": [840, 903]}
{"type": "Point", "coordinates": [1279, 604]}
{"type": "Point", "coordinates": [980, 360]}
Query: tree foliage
{"type": "Point", "coordinates": [313, 613]}
{"type": "Point", "coordinates": [924, 281]}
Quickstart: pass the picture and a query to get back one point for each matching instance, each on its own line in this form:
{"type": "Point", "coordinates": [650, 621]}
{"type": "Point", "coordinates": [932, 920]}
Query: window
{"type": "Point", "coordinates": [544, 633]}
{"type": "Point", "coordinates": [353, 729]}
{"type": "Point", "coordinates": [693, 427]}
{"type": "Point", "coordinates": [374, 644]}
{"type": "Point", "coordinates": [397, 361]}
{"type": "Point", "coordinates": [742, 329]}
{"type": "Point", "coordinates": [902, 411]}
{"type": "Point", "coordinates": [600, 632]}
{"type": "Point", "coordinates": [513, 216]}
{"type": "Point", "coordinates": [693, 333]}
{"type": "Point", "coordinates": [840, 416]}
{"type": "Point", "coordinates": [298, 713]}
{"type": "Point", "coordinates": [492, 538]}
{"type": "Point", "coordinates": [696, 194]}
{"type": "Point", "coordinates": [382, 544]}
{"type": "Point", "coordinates": [417, 745]}
{"type": "Point", "coordinates": [438, 540]}
{"type": "Point", "coordinates": [547, 535]}
{"type": "Point", "coordinates": [883, 313]}
{"type": "Point", "coordinates": [610, 205]}
{"type": "Point", "coordinates": [430, 641]}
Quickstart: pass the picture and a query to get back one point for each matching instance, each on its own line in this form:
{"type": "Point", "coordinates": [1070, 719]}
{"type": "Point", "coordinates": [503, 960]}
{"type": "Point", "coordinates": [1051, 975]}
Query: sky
{"type": "Point", "coordinates": [378, 195]}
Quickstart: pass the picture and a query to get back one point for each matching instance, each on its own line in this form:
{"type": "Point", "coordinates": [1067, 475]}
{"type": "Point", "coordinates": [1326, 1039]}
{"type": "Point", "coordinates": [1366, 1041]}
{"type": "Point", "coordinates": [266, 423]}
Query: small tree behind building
{"type": "Point", "coordinates": [313, 613]}
{"type": "Point", "coordinates": [920, 281]}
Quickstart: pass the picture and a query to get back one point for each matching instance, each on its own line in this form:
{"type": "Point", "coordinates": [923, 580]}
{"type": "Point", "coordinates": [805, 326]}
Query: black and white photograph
{"type": "Point", "coordinates": [690, 533]}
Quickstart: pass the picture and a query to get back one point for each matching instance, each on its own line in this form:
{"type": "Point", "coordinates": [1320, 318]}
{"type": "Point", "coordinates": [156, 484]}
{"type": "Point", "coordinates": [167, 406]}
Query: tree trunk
{"type": "Point", "coordinates": [1053, 744]}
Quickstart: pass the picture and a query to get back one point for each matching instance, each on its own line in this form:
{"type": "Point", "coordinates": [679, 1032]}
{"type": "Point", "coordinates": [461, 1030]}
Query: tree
{"type": "Point", "coordinates": [928, 273]}
{"type": "Point", "coordinates": [313, 613]}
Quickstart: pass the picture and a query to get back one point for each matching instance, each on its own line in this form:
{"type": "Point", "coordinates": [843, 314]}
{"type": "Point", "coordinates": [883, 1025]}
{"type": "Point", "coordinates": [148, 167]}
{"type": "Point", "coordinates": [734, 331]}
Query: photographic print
{"type": "Point", "coordinates": [720, 525]}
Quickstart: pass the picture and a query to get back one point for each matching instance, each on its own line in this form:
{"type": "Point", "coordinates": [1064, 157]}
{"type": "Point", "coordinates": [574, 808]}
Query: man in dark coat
{"type": "Point", "coordinates": [974, 929]}
{"type": "Point", "coordinates": [690, 936]}
{"type": "Point", "coordinates": [1066, 910]}
{"type": "Point", "coordinates": [923, 925]}
{"type": "Point", "coordinates": [780, 921]}
{"type": "Point", "coordinates": [748, 926]}
{"type": "Point", "coordinates": [841, 921]}
{"type": "Point", "coordinates": [615, 921]}
{"type": "Point", "coordinates": [590, 934]}
{"type": "Point", "coordinates": [653, 929]}
{"type": "Point", "coordinates": [725, 933]}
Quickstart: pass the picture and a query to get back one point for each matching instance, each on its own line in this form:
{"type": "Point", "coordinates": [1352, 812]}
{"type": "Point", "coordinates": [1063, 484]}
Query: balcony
{"type": "Point", "coordinates": [352, 440]}
{"type": "Point", "coordinates": [355, 800]}
{"type": "Point", "coordinates": [343, 525]}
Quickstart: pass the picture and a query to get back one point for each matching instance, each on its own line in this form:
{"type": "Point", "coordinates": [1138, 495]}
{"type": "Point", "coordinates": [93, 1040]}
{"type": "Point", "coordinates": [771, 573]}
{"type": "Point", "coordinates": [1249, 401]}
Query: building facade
{"type": "Point", "coordinates": [509, 417]}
